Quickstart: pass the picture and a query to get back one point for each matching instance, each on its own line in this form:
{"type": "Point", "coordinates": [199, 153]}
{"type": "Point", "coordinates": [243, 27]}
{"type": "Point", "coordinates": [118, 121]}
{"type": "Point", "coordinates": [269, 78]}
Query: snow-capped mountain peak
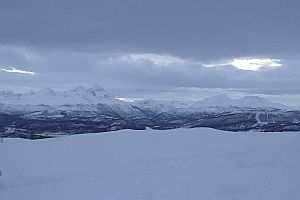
{"type": "Point", "coordinates": [46, 92]}
{"type": "Point", "coordinates": [7, 94]}
{"type": "Point", "coordinates": [79, 88]}
{"type": "Point", "coordinates": [49, 96]}
{"type": "Point", "coordinates": [98, 95]}
{"type": "Point", "coordinates": [97, 87]}
{"type": "Point", "coordinates": [224, 101]}
{"type": "Point", "coordinates": [214, 101]}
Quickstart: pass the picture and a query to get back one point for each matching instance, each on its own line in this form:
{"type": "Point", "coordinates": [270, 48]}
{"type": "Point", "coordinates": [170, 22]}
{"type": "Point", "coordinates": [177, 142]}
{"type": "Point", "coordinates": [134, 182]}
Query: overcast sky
{"type": "Point", "coordinates": [176, 49]}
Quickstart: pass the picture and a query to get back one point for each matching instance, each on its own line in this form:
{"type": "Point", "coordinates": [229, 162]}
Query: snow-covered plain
{"type": "Point", "coordinates": [183, 164]}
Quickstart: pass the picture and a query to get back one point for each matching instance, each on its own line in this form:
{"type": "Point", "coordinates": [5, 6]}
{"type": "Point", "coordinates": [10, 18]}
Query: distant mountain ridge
{"type": "Point", "coordinates": [245, 102]}
{"type": "Point", "coordinates": [98, 95]}
{"type": "Point", "coordinates": [48, 96]}
{"type": "Point", "coordinates": [49, 113]}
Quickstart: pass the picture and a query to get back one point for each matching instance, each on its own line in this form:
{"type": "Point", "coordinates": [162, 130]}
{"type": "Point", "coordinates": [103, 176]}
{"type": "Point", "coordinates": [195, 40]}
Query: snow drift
{"type": "Point", "coordinates": [177, 164]}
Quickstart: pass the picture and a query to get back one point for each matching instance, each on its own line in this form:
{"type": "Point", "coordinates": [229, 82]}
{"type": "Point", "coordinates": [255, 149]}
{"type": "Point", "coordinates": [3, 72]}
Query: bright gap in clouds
{"type": "Point", "coordinates": [254, 64]}
{"type": "Point", "coordinates": [251, 64]}
{"type": "Point", "coordinates": [14, 70]}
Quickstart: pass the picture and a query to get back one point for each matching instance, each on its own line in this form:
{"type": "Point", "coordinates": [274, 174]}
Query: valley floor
{"type": "Point", "coordinates": [181, 164]}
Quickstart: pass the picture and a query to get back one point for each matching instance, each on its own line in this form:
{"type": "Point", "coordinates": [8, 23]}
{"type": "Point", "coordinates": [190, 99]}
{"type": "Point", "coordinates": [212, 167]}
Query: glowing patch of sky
{"type": "Point", "coordinates": [252, 64]}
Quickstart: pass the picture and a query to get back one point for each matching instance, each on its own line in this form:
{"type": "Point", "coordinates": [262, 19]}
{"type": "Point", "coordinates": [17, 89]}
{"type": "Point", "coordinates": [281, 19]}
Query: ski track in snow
{"type": "Point", "coordinates": [175, 164]}
{"type": "Point", "coordinates": [258, 121]}
{"type": "Point", "coordinates": [257, 118]}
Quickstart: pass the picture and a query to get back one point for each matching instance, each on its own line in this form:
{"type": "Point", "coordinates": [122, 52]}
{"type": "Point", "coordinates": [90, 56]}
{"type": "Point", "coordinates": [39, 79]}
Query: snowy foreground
{"type": "Point", "coordinates": [183, 164]}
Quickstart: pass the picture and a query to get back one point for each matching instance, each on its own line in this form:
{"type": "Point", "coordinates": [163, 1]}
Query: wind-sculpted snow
{"type": "Point", "coordinates": [49, 113]}
{"type": "Point", "coordinates": [177, 164]}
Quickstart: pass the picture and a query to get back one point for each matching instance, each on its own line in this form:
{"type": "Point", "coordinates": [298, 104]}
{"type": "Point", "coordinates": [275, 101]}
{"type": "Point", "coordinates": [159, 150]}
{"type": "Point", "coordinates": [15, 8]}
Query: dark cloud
{"type": "Point", "coordinates": [137, 70]}
{"type": "Point", "coordinates": [193, 28]}
{"type": "Point", "coordinates": [150, 46]}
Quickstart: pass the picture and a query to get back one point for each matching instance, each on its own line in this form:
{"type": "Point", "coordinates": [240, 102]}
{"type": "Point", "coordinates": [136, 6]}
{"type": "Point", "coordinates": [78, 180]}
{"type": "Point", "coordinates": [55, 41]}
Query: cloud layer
{"type": "Point", "coordinates": [205, 29]}
{"type": "Point", "coordinates": [149, 71]}
{"type": "Point", "coordinates": [150, 48]}
{"type": "Point", "coordinates": [252, 64]}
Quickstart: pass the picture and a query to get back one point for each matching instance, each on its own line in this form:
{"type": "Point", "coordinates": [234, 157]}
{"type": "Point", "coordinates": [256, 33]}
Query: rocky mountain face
{"type": "Point", "coordinates": [49, 113]}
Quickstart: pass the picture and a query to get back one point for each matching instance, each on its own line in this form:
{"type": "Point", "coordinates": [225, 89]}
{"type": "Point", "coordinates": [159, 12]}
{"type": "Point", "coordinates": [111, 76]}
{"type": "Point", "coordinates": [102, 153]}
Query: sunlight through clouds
{"type": "Point", "coordinates": [251, 64]}
{"type": "Point", "coordinates": [255, 64]}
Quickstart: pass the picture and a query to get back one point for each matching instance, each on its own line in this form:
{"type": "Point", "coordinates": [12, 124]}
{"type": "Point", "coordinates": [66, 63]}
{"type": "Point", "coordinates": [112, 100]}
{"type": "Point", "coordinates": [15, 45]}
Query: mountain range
{"type": "Point", "coordinates": [48, 113]}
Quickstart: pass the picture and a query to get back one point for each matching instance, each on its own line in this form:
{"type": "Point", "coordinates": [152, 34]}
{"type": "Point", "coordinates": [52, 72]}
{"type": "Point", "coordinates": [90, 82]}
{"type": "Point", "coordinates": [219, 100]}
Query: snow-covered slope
{"type": "Point", "coordinates": [161, 106]}
{"type": "Point", "coordinates": [95, 102]}
{"type": "Point", "coordinates": [98, 94]}
{"type": "Point", "coordinates": [185, 164]}
{"type": "Point", "coordinates": [219, 103]}
{"type": "Point", "coordinates": [257, 102]}
{"type": "Point", "coordinates": [79, 99]}
{"type": "Point", "coordinates": [223, 101]}
{"type": "Point", "coordinates": [48, 96]}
